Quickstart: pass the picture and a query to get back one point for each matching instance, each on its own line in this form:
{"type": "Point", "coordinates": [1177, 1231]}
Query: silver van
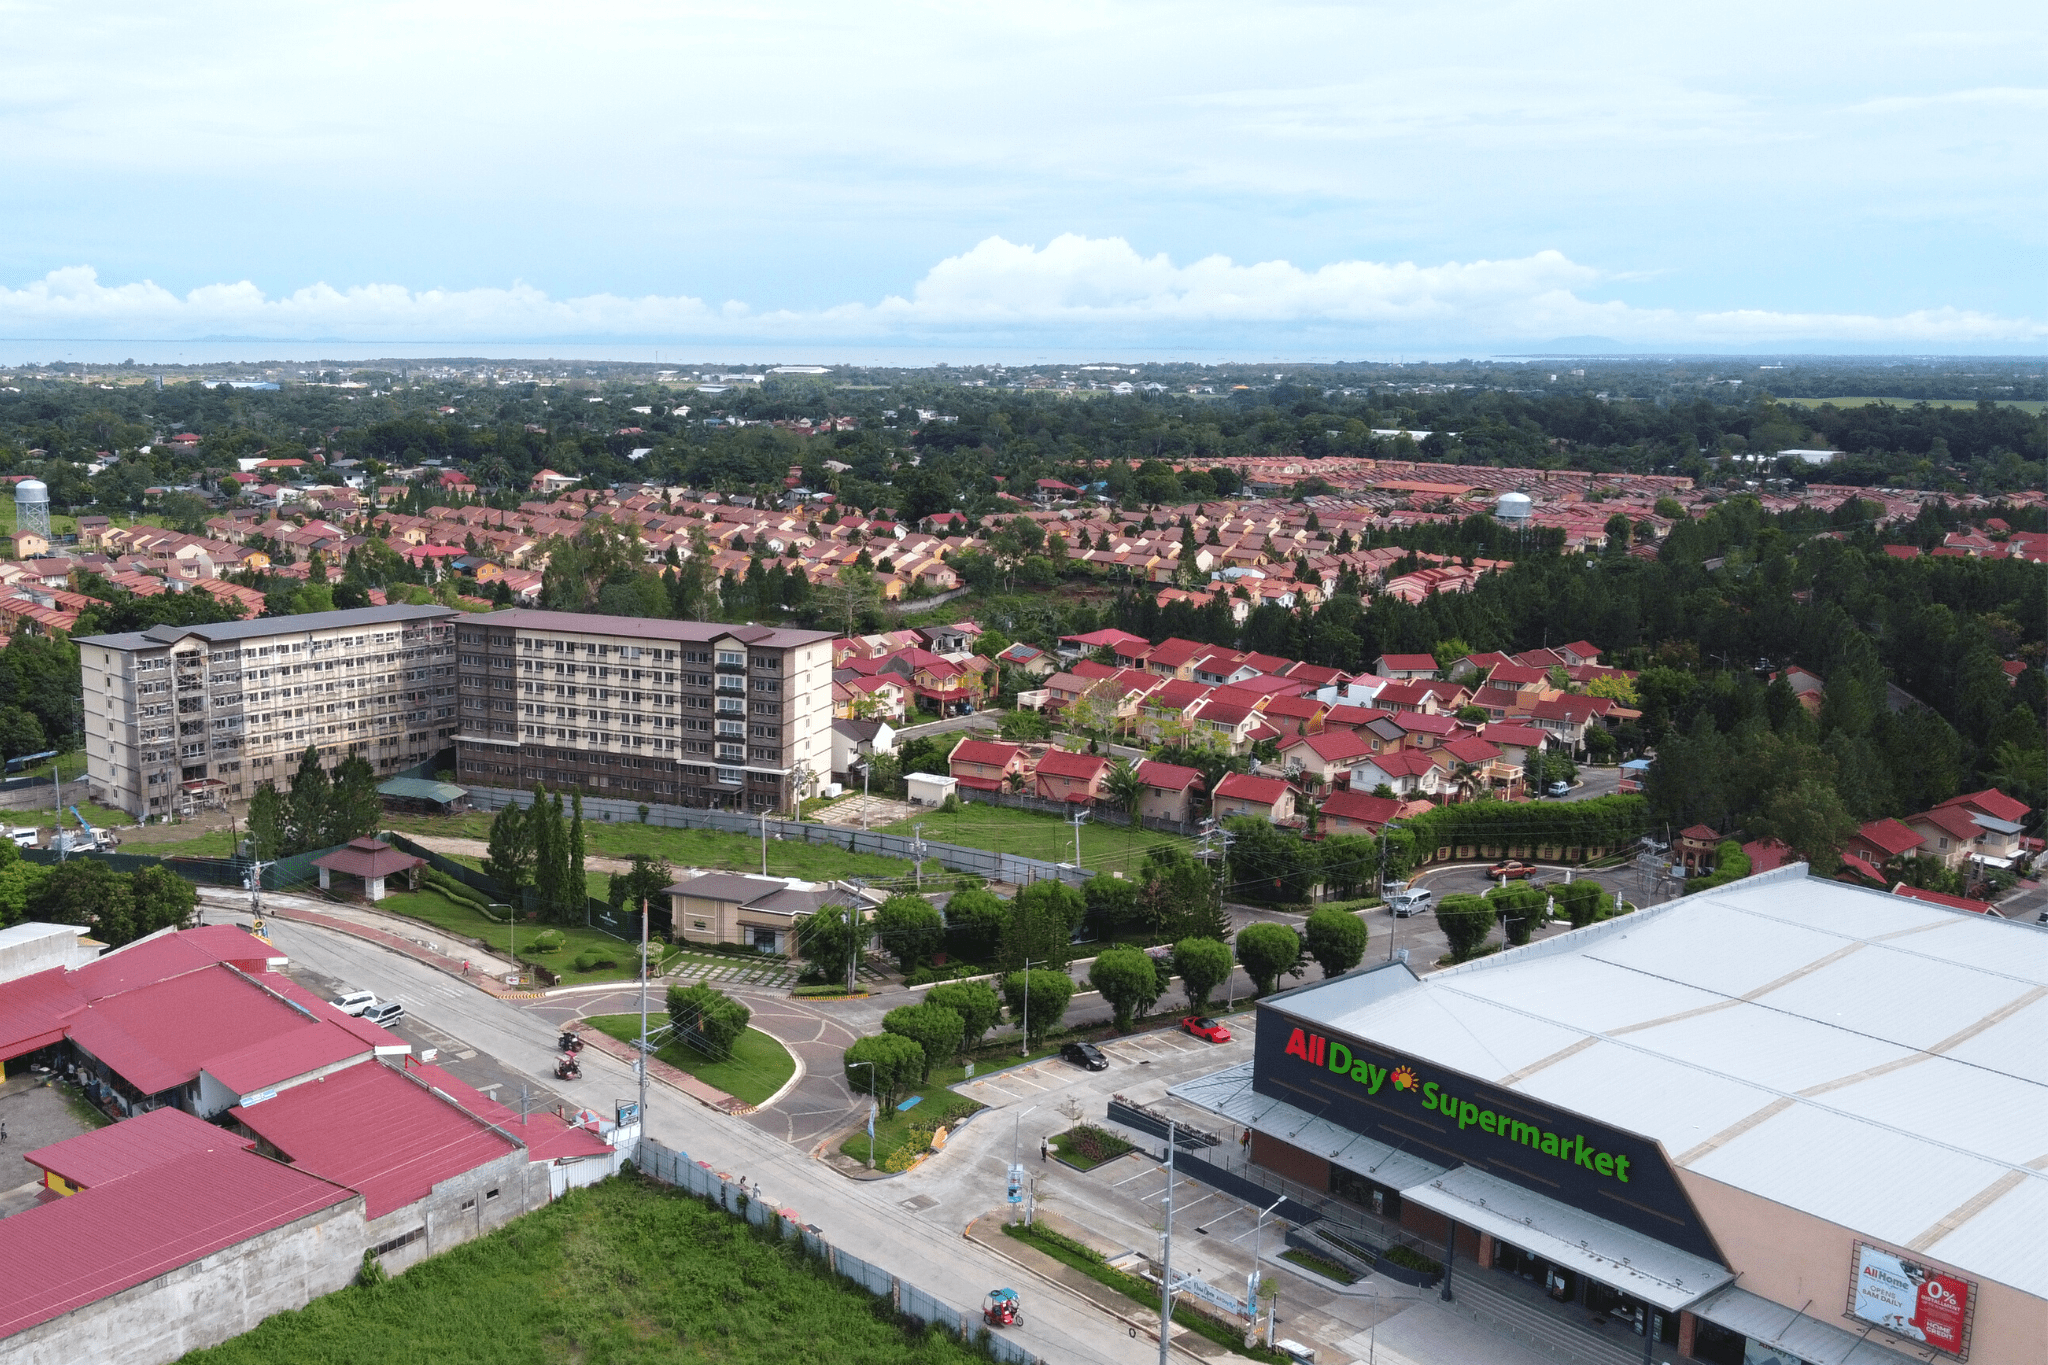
{"type": "Point", "coordinates": [1410, 902]}
{"type": "Point", "coordinates": [386, 1014]}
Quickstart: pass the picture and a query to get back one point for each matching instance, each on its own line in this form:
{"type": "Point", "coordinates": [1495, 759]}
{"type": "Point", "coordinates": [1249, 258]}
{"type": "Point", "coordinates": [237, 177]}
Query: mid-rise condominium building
{"type": "Point", "coordinates": [689, 713]}
{"type": "Point", "coordinates": [180, 716]}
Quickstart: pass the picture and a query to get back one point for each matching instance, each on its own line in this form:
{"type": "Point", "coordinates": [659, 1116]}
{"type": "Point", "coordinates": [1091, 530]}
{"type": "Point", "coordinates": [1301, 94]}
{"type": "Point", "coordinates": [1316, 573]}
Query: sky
{"type": "Point", "coordinates": [819, 181]}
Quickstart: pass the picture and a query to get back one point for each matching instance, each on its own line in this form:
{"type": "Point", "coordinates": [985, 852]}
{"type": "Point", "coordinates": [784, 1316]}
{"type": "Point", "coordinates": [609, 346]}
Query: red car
{"type": "Point", "coordinates": [1511, 868]}
{"type": "Point", "coordinates": [1205, 1028]}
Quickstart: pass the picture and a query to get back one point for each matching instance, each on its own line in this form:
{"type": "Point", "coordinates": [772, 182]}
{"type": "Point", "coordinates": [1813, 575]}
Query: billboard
{"type": "Point", "coordinates": [1451, 1119]}
{"type": "Point", "coordinates": [1913, 1302]}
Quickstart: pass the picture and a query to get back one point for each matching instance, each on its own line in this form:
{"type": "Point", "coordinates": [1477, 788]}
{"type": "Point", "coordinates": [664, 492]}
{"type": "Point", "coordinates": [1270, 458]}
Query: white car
{"type": "Point", "coordinates": [1557, 789]}
{"type": "Point", "coordinates": [355, 1002]}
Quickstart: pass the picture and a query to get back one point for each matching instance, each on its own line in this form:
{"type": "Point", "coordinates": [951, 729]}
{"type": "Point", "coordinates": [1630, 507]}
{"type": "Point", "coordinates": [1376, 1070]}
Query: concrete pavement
{"type": "Point", "coordinates": [923, 1245]}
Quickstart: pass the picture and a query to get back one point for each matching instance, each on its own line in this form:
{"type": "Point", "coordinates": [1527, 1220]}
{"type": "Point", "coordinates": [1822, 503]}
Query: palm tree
{"type": "Point", "coordinates": [1124, 787]}
{"type": "Point", "coordinates": [1016, 782]}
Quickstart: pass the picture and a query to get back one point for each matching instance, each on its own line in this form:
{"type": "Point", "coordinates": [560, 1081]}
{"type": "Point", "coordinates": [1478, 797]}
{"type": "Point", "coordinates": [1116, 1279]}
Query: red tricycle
{"type": "Point", "coordinates": [1002, 1309]}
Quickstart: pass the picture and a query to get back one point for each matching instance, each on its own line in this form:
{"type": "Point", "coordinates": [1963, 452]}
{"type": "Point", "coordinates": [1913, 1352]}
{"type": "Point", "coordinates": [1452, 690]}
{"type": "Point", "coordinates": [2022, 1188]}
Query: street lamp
{"type": "Point", "coordinates": [1393, 920]}
{"type": "Point", "coordinates": [1251, 1289]}
{"type": "Point", "coordinates": [1024, 1048]}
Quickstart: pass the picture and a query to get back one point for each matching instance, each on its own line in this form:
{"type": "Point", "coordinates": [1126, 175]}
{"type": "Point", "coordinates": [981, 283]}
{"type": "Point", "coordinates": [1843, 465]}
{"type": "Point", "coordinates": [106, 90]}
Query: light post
{"type": "Point", "coordinates": [1080, 816]}
{"type": "Point", "coordinates": [1251, 1289]}
{"type": "Point", "coordinates": [1024, 1048]}
{"type": "Point", "coordinates": [872, 1105]}
{"type": "Point", "coordinates": [643, 1015]}
{"type": "Point", "coordinates": [917, 854]}
{"type": "Point", "coordinates": [1393, 920]}
{"type": "Point", "coordinates": [1166, 1256]}
{"type": "Point", "coordinates": [1016, 1165]}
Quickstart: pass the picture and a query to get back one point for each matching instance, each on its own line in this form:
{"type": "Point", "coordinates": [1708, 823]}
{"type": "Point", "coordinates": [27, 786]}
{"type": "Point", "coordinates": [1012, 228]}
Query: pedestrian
{"type": "Point", "coordinates": [1244, 1145]}
{"type": "Point", "coordinates": [1044, 1149]}
{"type": "Point", "coordinates": [757, 1191]}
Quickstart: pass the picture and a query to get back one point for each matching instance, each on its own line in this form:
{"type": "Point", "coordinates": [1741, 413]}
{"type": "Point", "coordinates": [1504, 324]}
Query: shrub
{"type": "Point", "coordinates": [1202, 965]}
{"type": "Point", "coordinates": [1336, 939]}
{"type": "Point", "coordinates": [710, 1014]}
{"type": "Point", "coordinates": [1411, 1259]}
{"type": "Point", "coordinates": [975, 1002]}
{"type": "Point", "coordinates": [1093, 1144]}
{"type": "Point", "coordinates": [1266, 950]}
{"type": "Point", "coordinates": [883, 1065]}
{"type": "Point", "coordinates": [934, 1028]}
{"type": "Point", "coordinates": [1466, 922]}
{"type": "Point", "coordinates": [548, 941]}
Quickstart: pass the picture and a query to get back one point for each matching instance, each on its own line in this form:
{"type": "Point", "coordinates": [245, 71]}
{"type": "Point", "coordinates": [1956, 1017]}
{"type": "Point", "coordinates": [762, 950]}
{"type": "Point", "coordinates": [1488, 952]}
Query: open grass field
{"type": "Point", "coordinates": [2033, 405]}
{"type": "Point", "coordinates": [1002, 829]}
{"type": "Point", "coordinates": [686, 847]}
{"type": "Point", "coordinates": [624, 1273]}
{"type": "Point", "coordinates": [759, 1066]}
{"type": "Point", "coordinates": [455, 918]}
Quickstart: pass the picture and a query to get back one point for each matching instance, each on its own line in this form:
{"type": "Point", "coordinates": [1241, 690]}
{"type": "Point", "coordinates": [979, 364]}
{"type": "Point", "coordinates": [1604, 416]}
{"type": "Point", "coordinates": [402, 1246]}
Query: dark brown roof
{"type": "Point", "coordinates": [646, 628]}
{"type": "Point", "coordinates": [368, 858]}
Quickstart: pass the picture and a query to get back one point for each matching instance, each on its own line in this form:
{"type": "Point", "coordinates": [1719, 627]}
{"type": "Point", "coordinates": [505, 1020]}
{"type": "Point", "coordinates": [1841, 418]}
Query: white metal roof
{"type": "Point", "coordinates": [1868, 1059]}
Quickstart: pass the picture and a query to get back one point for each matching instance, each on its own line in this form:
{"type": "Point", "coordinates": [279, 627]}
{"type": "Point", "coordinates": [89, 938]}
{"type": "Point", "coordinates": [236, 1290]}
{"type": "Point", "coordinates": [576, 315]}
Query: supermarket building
{"type": "Point", "coordinates": [1785, 1120]}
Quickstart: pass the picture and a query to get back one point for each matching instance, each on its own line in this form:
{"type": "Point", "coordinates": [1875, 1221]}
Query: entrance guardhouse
{"type": "Point", "coordinates": [372, 862]}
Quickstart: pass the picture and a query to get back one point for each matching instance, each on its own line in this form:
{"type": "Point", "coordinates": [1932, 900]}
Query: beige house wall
{"type": "Point", "coordinates": [1791, 1257]}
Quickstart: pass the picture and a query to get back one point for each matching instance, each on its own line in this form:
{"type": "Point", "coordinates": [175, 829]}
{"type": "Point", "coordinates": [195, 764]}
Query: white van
{"type": "Point", "coordinates": [25, 837]}
{"type": "Point", "coordinates": [1410, 902]}
{"type": "Point", "coordinates": [355, 1002]}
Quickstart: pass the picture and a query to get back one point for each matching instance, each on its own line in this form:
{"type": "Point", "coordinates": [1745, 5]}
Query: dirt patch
{"type": "Point", "coordinates": [477, 848]}
{"type": "Point", "coordinates": [867, 812]}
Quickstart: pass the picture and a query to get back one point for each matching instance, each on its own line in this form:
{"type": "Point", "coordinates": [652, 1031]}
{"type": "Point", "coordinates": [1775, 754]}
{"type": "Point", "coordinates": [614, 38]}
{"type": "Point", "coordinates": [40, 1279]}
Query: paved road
{"type": "Point", "coordinates": [867, 1216]}
{"type": "Point", "coordinates": [1594, 782]}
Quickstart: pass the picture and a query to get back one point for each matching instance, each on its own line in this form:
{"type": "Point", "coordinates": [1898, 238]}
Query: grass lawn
{"type": "Point", "coordinates": [1002, 829]}
{"type": "Point", "coordinates": [217, 843]}
{"type": "Point", "coordinates": [1329, 1270]}
{"type": "Point", "coordinates": [454, 917]}
{"type": "Point", "coordinates": [686, 847]}
{"type": "Point", "coordinates": [1087, 1146]}
{"type": "Point", "coordinates": [759, 1066]}
{"type": "Point", "coordinates": [625, 1273]}
{"type": "Point", "coordinates": [936, 1099]}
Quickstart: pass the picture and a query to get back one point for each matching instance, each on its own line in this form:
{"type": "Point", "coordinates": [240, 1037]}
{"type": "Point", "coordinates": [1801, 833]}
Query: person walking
{"type": "Point", "coordinates": [1045, 1149]}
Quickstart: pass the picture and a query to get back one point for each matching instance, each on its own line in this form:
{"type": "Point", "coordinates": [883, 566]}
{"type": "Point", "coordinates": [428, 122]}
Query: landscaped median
{"type": "Point", "coordinates": [758, 1067]}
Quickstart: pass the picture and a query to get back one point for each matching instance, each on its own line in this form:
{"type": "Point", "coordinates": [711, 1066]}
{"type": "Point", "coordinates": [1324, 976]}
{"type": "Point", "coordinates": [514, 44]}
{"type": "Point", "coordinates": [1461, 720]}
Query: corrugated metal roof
{"type": "Point", "coordinates": [1797, 1334]}
{"type": "Point", "coordinates": [71, 1252]}
{"type": "Point", "coordinates": [34, 1009]}
{"type": "Point", "coordinates": [280, 1058]}
{"type": "Point", "coordinates": [171, 953]}
{"type": "Point", "coordinates": [137, 1144]}
{"type": "Point", "coordinates": [1230, 1094]}
{"type": "Point", "coordinates": [372, 1129]}
{"type": "Point", "coordinates": [1764, 1031]}
{"type": "Point", "coordinates": [160, 1035]}
{"type": "Point", "coordinates": [421, 789]}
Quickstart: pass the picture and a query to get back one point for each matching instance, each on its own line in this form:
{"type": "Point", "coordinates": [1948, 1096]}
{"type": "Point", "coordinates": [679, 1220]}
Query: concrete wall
{"type": "Point", "coordinates": [1792, 1257]}
{"type": "Point", "coordinates": [461, 1208]}
{"type": "Point", "coordinates": [208, 1301]}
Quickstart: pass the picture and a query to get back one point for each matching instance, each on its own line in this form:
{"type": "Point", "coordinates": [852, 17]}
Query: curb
{"type": "Point", "coordinates": [1146, 1327]}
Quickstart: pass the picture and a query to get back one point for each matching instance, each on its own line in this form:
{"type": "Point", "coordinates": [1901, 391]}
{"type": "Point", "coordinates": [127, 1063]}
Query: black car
{"type": "Point", "coordinates": [1085, 1055]}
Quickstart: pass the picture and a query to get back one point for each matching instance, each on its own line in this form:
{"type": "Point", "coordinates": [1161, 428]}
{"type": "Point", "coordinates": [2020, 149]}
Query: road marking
{"type": "Point", "coordinates": [1129, 1178]}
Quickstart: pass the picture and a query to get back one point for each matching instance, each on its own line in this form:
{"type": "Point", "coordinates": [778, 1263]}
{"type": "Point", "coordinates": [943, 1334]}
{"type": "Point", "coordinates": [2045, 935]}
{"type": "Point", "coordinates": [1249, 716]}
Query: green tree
{"type": "Point", "coordinates": [936, 1030]}
{"type": "Point", "coordinates": [266, 824]}
{"type": "Point", "coordinates": [306, 807]}
{"type": "Point", "coordinates": [974, 924]}
{"type": "Point", "coordinates": [544, 828]}
{"type": "Point", "coordinates": [976, 1002]}
{"type": "Point", "coordinates": [161, 899]}
{"type": "Point", "coordinates": [1336, 939]}
{"type": "Point", "coordinates": [910, 928]}
{"type": "Point", "coordinates": [1043, 918]}
{"type": "Point", "coordinates": [1128, 980]}
{"type": "Point", "coordinates": [354, 809]}
{"type": "Point", "coordinates": [830, 939]}
{"type": "Point", "coordinates": [1268, 863]}
{"type": "Point", "coordinates": [1112, 904]}
{"type": "Point", "coordinates": [509, 855]}
{"type": "Point", "coordinates": [1202, 964]}
{"type": "Point", "coordinates": [20, 879]}
{"type": "Point", "coordinates": [1265, 951]}
{"type": "Point", "coordinates": [1520, 907]}
{"type": "Point", "coordinates": [707, 1019]}
{"type": "Point", "coordinates": [1581, 901]}
{"type": "Point", "coordinates": [1124, 787]}
{"type": "Point", "coordinates": [1467, 921]}
{"type": "Point", "coordinates": [1178, 896]}
{"type": "Point", "coordinates": [646, 879]}
{"type": "Point", "coordinates": [1039, 1009]}
{"type": "Point", "coordinates": [883, 1065]}
{"type": "Point", "coordinates": [1810, 817]}
{"type": "Point", "coordinates": [577, 891]}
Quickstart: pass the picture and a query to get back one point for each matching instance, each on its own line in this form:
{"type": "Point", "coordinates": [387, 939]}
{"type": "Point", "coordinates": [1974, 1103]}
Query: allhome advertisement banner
{"type": "Point", "coordinates": [1910, 1300]}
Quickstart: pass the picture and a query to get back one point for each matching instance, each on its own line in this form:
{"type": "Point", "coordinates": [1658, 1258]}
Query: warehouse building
{"type": "Point", "coordinates": [1784, 1120]}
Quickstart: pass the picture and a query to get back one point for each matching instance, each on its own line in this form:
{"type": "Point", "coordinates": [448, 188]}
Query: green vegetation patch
{"type": "Point", "coordinates": [459, 918]}
{"type": "Point", "coordinates": [1069, 1252]}
{"type": "Point", "coordinates": [683, 847]}
{"type": "Point", "coordinates": [1329, 1270]}
{"type": "Point", "coordinates": [625, 1273]}
{"type": "Point", "coordinates": [1085, 1146]}
{"type": "Point", "coordinates": [759, 1066]}
{"type": "Point", "coordinates": [1030, 834]}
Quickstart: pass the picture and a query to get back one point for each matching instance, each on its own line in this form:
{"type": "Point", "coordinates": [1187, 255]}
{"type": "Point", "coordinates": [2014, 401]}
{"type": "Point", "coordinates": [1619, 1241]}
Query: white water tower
{"type": "Point", "coordinates": [1513, 508]}
{"type": "Point", "coordinates": [32, 508]}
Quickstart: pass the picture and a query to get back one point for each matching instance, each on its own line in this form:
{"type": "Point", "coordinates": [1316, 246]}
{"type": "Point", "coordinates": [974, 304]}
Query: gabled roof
{"type": "Point", "coordinates": [1699, 832]}
{"type": "Point", "coordinates": [1952, 820]}
{"type": "Point", "coordinates": [1114, 639]}
{"type": "Point", "coordinates": [1168, 776]}
{"type": "Point", "coordinates": [1993, 802]}
{"type": "Point", "coordinates": [121, 1149]}
{"type": "Point", "coordinates": [1942, 898]}
{"type": "Point", "coordinates": [1416, 723]}
{"type": "Point", "coordinates": [1260, 791]}
{"type": "Point", "coordinates": [1082, 767]}
{"type": "Point", "coordinates": [1363, 807]}
{"type": "Point", "coordinates": [1471, 750]}
{"type": "Point", "coordinates": [1889, 837]}
{"type": "Point", "coordinates": [1408, 663]}
{"type": "Point", "coordinates": [1520, 735]}
{"type": "Point", "coordinates": [1332, 746]}
{"type": "Point", "coordinates": [1401, 763]}
{"type": "Point", "coordinates": [989, 752]}
{"type": "Point", "coordinates": [1317, 674]}
{"type": "Point", "coordinates": [161, 1035]}
{"type": "Point", "coordinates": [376, 1130]}
{"type": "Point", "coordinates": [1174, 652]}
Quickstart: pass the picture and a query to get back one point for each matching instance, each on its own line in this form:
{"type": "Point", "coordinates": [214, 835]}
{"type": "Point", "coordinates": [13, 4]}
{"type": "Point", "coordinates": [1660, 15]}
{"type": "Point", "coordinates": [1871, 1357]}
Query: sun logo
{"type": "Point", "coordinates": [1403, 1078]}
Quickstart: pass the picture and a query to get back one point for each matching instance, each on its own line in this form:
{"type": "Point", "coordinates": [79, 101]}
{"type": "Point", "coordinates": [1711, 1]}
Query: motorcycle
{"type": "Point", "coordinates": [567, 1069]}
{"type": "Point", "coordinates": [570, 1042]}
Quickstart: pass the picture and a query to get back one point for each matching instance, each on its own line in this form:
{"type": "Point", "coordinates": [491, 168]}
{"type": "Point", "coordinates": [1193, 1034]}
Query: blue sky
{"type": "Point", "coordinates": [1314, 179]}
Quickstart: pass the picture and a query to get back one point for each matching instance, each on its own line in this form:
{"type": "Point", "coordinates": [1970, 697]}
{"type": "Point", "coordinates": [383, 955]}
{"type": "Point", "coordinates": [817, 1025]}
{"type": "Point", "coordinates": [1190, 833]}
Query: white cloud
{"type": "Point", "coordinates": [1075, 289]}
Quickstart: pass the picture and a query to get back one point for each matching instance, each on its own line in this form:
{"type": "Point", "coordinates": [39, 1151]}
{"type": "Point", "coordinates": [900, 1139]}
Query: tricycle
{"type": "Point", "coordinates": [1002, 1309]}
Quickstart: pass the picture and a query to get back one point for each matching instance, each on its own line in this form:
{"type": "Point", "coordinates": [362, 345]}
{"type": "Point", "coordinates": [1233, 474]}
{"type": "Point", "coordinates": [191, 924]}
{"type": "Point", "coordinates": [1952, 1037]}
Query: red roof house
{"type": "Point", "coordinates": [1074, 778]}
{"type": "Point", "coordinates": [1267, 798]}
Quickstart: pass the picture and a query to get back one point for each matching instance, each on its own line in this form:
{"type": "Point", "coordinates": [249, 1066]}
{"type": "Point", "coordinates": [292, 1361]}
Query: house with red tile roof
{"type": "Point", "coordinates": [1073, 778]}
{"type": "Point", "coordinates": [1474, 766]}
{"type": "Point", "coordinates": [1942, 898]}
{"type": "Point", "coordinates": [1407, 772]}
{"type": "Point", "coordinates": [1292, 715]}
{"type": "Point", "coordinates": [1264, 798]}
{"type": "Point", "coordinates": [986, 765]}
{"type": "Point", "coordinates": [1171, 791]}
{"type": "Point", "coordinates": [1356, 812]}
{"type": "Point", "coordinates": [1949, 833]}
{"type": "Point", "coordinates": [1877, 842]}
{"type": "Point", "coordinates": [1325, 756]}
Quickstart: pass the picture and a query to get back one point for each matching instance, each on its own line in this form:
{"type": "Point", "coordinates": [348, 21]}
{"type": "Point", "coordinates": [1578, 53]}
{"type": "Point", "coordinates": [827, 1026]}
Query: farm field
{"type": "Point", "coordinates": [626, 1273]}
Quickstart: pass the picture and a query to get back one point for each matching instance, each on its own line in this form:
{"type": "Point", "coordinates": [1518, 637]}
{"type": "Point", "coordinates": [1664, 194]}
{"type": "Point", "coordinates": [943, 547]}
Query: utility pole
{"type": "Point", "coordinates": [643, 1016]}
{"type": "Point", "coordinates": [917, 854]}
{"type": "Point", "coordinates": [1166, 1256]}
{"type": "Point", "coordinates": [1393, 920]}
{"type": "Point", "coordinates": [764, 843]}
{"type": "Point", "coordinates": [1079, 817]}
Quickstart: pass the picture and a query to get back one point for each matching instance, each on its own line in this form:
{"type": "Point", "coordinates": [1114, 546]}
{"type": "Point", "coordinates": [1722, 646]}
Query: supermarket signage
{"type": "Point", "coordinates": [1911, 1300]}
{"type": "Point", "coordinates": [1336, 1057]}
